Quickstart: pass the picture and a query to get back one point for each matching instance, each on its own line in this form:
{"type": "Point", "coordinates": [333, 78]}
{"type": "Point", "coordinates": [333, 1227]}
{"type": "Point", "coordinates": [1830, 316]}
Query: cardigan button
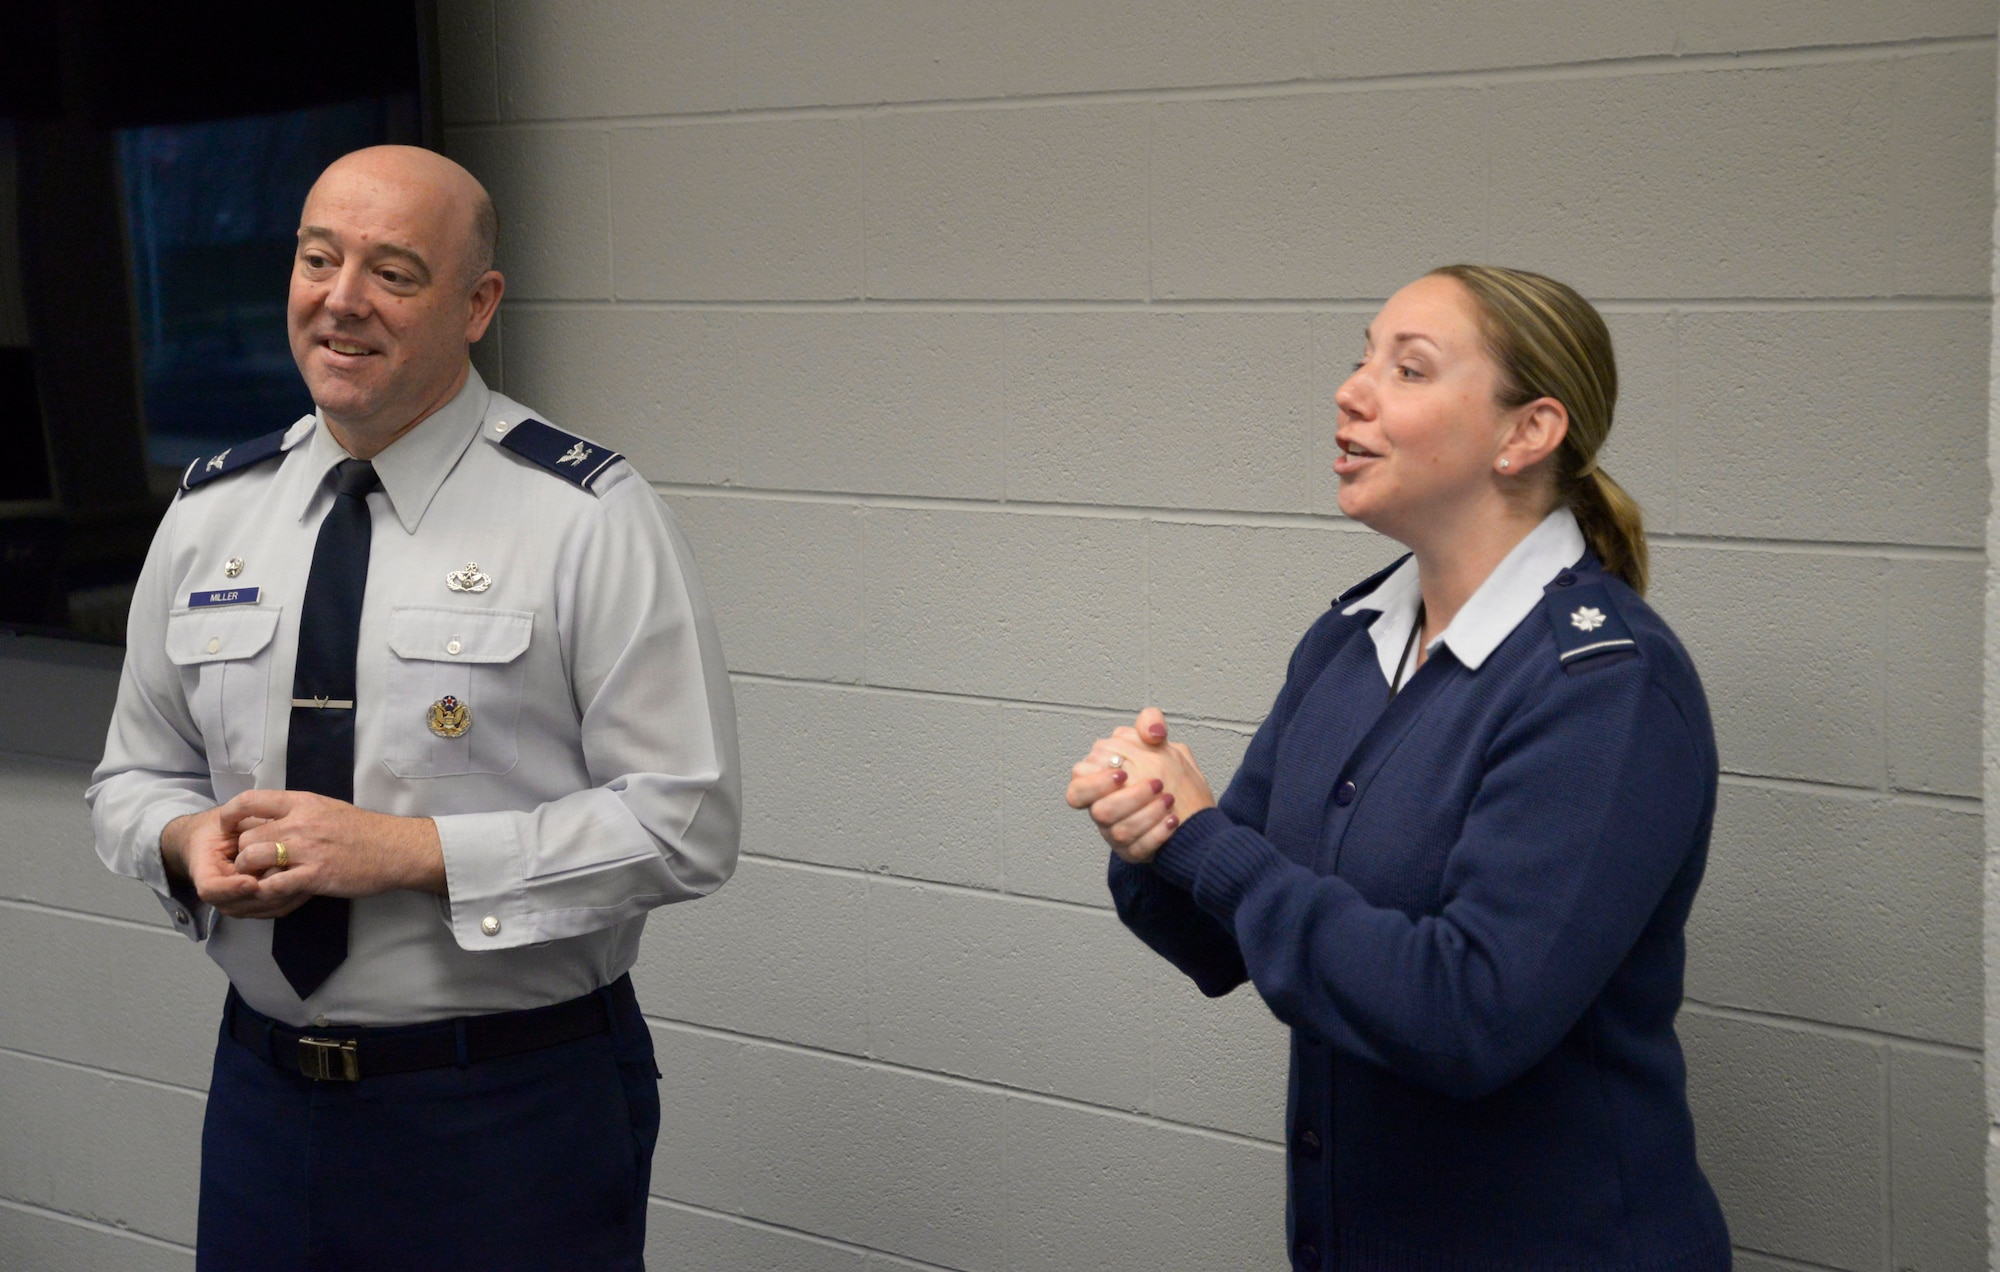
{"type": "Point", "coordinates": [1309, 1145]}
{"type": "Point", "coordinates": [1565, 579]}
{"type": "Point", "coordinates": [1307, 1257]}
{"type": "Point", "coordinates": [1343, 794]}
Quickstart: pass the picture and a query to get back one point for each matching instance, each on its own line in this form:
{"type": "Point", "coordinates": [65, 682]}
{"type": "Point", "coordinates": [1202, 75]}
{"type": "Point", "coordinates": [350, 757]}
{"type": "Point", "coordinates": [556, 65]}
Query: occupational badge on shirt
{"type": "Point", "coordinates": [232, 567]}
{"type": "Point", "coordinates": [449, 717]}
{"type": "Point", "coordinates": [468, 580]}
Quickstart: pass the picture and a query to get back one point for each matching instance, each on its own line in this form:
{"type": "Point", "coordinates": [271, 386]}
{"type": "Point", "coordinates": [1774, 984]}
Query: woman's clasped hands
{"type": "Point", "coordinates": [1138, 787]}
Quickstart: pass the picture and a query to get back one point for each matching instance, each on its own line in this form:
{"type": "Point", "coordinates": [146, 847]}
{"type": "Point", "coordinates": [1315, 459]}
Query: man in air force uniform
{"type": "Point", "coordinates": [422, 711]}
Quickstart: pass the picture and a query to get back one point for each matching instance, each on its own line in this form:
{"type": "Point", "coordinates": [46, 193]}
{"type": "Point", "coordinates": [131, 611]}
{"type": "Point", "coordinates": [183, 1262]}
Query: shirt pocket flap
{"type": "Point", "coordinates": [205, 636]}
{"type": "Point", "coordinates": [436, 633]}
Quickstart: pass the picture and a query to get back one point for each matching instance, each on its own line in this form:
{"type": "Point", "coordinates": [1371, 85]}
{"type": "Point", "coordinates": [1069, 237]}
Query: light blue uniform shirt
{"type": "Point", "coordinates": [598, 777]}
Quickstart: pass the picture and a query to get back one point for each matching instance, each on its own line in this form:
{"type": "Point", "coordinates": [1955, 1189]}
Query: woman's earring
{"type": "Point", "coordinates": [1505, 463]}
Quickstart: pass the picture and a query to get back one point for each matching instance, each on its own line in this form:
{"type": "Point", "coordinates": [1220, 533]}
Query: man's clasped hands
{"type": "Point", "coordinates": [1138, 787]}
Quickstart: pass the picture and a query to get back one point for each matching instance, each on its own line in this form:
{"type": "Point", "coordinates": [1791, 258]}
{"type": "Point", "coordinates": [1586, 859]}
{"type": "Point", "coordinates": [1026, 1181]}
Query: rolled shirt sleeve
{"type": "Point", "coordinates": [659, 822]}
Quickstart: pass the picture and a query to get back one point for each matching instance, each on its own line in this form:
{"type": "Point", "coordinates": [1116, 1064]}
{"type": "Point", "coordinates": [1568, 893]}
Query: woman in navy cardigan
{"type": "Point", "coordinates": [1459, 855]}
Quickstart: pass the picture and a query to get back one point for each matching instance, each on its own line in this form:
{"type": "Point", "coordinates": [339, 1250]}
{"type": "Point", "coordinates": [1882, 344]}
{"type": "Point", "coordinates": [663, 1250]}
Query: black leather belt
{"type": "Point", "coordinates": [336, 1054]}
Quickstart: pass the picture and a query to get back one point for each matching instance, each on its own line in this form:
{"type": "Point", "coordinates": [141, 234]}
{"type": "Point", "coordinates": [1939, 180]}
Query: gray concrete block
{"type": "Point", "coordinates": [120, 1153]}
{"type": "Point", "coordinates": [1093, 1190]}
{"type": "Point", "coordinates": [1058, 46]}
{"type": "Point", "coordinates": [1847, 909]}
{"type": "Point", "coordinates": [1050, 849]}
{"type": "Point", "coordinates": [840, 1148]}
{"type": "Point", "coordinates": [129, 1000]}
{"type": "Point", "coordinates": [1790, 648]}
{"type": "Point", "coordinates": [1937, 1121]}
{"type": "Point", "coordinates": [1815, 425]}
{"type": "Point", "coordinates": [1219, 1062]}
{"type": "Point", "coordinates": [1265, 197]}
{"type": "Point", "coordinates": [784, 579]}
{"type": "Point", "coordinates": [466, 52]}
{"type": "Point", "coordinates": [799, 53]}
{"type": "Point", "coordinates": [1934, 636]}
{"type": "Point", "coordinates": [60, 694]}
{"type": "Point", "coordinates": [571, 59]}
{"type": "Point", "coordinates": [1008, 203]}
{"type": "Point", "coordinates": [1720, 183]}
{"type": "Point", "coordinates": [47, 852]}
{"type": "Point", "coordinates": [1164, 410]}
{"type": "Point", "coordinates": [1024, 994]}
{"type": "Point", "coordinates": [1943, 130]}
{"type": "Point", "coordinates": [854, 778]}
{"type": "Point", "coordinates": [654, 385]}
{"type": "Point", "coordinates": [1791, 1133]}
{"type": "Point", "coordinates": [682, 1240]}
{"type": "Point", "coordinates": [1229, 603]}
{"type": "Point", "coordinates": [39, 1241]}
{"type": "Point", "coordinates": [1037, 608]}
{"type": "Point", "coordinates": [781, 953]}
{"type": "Point", "coordinates": [765, 210]}
{"type": "Point", "coordinates": [875, 403]}
{"type": "Point", "coordinates": [550, 187]}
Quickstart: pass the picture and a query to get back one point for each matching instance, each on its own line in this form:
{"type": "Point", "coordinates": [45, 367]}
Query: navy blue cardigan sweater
{"type": "Point", "coordinates": [1467, 902]}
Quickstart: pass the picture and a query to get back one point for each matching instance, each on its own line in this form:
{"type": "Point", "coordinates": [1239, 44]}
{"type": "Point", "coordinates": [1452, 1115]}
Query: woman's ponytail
{"type": "Point", "coordinates": [1551, 342]}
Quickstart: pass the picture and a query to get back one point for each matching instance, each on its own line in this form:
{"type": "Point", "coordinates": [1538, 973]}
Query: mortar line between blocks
{"type": "Point", "coordinates": [814, 1238]}
{"type": "Point", "coordinates": [957, 889]}
{"type": "Point", "coordinates": [984, 1085]}
{"type": "Point", "coordinates": [1356, 306]}
{"type": "Point", "coordinates": [1916, 799]}
{"type": "Point", "coordinates": [1795, 56]}
{"type": "Point", "coordinates": [98, 1071]}
{"type": "Point", "coordinates": [78, 1221]}
{"type": "Point", "coordinates": [38, 907]}
{"type": "Point", "coordinates": [1783, 1261]}
{"type": "Point", "coordinates": [1827, 1029]}
{"type": "Point", "coordinates": [1888, 1059]}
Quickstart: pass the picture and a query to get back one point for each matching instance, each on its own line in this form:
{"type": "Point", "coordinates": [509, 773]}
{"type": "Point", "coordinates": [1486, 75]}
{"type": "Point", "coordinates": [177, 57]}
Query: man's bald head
{"type": "Point", "coordinates": [471, 225]}
{"type": "Point", "coordinates": [391, 285]}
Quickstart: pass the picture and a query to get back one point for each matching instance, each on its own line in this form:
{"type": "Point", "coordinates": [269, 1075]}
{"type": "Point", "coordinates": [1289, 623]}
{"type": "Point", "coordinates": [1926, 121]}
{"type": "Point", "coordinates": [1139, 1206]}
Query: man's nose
{"type": "Point", "coordinates": [348, 296]}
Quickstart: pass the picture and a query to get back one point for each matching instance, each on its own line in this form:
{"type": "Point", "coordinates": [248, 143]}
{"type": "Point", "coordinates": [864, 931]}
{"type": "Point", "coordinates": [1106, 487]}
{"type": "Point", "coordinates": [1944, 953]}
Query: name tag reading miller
{"type": "Point", "coordinates": [228, 596]}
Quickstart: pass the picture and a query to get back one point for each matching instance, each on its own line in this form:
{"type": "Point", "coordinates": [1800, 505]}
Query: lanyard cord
{"type": "Point", "coordinates": [1396, 685]}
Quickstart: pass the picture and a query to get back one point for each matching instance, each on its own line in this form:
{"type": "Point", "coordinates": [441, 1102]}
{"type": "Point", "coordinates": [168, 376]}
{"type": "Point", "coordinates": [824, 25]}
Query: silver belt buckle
{"type": "Point", "coordinates": [329, 1059]}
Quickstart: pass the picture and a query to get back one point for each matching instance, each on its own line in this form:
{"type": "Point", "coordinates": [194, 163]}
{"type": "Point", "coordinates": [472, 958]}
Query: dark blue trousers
{"type": "Point", "coordinates": [533, 1161]}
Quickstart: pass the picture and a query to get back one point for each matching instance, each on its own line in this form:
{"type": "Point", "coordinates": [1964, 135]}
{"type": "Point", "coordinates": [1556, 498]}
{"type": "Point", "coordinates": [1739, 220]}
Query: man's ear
{"type": "Point", "coordinates": [1537, 432]}
{"type": "Point", "coordinates": [482, 303]}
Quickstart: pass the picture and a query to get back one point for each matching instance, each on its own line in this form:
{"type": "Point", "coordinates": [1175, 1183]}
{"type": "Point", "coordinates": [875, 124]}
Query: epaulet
{"type": "Point", "coordinates": [1369, 584]}
{"type": "Point", "coordinates": [1585, 620]}
{"type": "Point", "coordinates": [234, 460]}
{"type": "Point", "coordinates": [565, 455]}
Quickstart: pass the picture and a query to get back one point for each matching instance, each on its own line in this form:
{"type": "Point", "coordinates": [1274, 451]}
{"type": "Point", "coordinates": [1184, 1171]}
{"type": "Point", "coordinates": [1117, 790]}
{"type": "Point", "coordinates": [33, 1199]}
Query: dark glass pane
{"type": "Point", "coordinates": [213, 209]}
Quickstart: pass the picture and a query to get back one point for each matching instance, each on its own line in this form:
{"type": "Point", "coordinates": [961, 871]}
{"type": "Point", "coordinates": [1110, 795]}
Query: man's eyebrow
{"type": "Point", "coordinates": [386, 249]}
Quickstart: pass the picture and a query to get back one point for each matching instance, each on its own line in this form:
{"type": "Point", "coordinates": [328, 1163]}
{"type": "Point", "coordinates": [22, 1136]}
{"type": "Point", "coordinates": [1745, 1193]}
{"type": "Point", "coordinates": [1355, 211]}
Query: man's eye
{"type": "Point", "coordinates": [313, 260]}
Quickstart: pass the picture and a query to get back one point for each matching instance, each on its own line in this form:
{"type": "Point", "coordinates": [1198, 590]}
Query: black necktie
{"type": "Point", "coordinates": [311, 941]}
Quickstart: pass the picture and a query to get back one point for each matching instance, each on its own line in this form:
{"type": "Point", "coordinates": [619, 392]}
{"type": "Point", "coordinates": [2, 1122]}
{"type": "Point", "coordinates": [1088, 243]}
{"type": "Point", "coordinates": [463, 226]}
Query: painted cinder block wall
{"type": "Point", "coordinates": [987, 352]}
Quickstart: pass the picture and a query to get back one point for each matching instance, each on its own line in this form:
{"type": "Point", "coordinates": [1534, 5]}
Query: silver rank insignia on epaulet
{"type": "Point", "coordinates": [567, 456]}
{"type": "Point", "coordinates": [1584, 619]}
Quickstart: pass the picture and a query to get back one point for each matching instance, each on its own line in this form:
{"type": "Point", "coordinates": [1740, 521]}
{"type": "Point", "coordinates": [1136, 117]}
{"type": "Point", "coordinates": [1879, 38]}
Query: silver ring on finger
{"type": "Point", "coordinates": [1116, 761]}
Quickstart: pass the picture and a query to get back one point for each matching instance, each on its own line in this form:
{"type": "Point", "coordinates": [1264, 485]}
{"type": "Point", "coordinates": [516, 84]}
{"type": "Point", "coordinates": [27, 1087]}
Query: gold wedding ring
{"type": "Point", "coordinates": [284, 858]}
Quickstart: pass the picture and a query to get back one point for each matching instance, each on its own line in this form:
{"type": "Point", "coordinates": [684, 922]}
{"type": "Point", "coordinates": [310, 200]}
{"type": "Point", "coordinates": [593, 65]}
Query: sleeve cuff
{"type": "Point", "coordinates": [485, 903]}
{"type": "Point", "coordinates": [1215, 860]}
{"type": "Point", "coordinates": [190, 915]}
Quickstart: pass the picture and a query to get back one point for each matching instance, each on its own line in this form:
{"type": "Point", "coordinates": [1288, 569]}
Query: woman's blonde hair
{"type": "Point", "coordinates": [1551, 342]}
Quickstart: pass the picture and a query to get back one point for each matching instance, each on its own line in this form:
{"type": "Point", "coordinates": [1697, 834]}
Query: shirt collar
{"type": "Point", "coordinates": [1508, 595]}
{"type": "Point", "coordinates": [415, 464]}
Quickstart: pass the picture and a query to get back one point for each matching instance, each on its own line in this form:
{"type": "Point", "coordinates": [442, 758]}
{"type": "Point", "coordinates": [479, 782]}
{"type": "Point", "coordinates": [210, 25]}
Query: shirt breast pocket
{"type": "Point", "coordinates": [225, 659]}
{"type": "Point", "coordinates": [473, 658]}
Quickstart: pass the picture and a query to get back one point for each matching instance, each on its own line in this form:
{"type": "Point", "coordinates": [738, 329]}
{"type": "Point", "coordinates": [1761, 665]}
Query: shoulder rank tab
{"type": "Point", "coordinates": [1586, 623]}
{"type": "Point", "coordinates": [235, 459]}
{"type": "Point", "coordinates": [1369, 584]}
{"type": "Point", "coordinates": [563, 454]}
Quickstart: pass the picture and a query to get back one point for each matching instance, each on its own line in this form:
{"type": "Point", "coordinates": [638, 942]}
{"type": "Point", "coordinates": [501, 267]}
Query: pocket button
{"type": "Point", "coordinates": [452, 646]}
{"type": "Point", "coordinates": [214, 643]}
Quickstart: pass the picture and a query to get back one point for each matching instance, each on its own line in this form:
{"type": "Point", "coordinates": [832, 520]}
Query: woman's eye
{"type": "Point", "coordinates": [1409, 373]}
